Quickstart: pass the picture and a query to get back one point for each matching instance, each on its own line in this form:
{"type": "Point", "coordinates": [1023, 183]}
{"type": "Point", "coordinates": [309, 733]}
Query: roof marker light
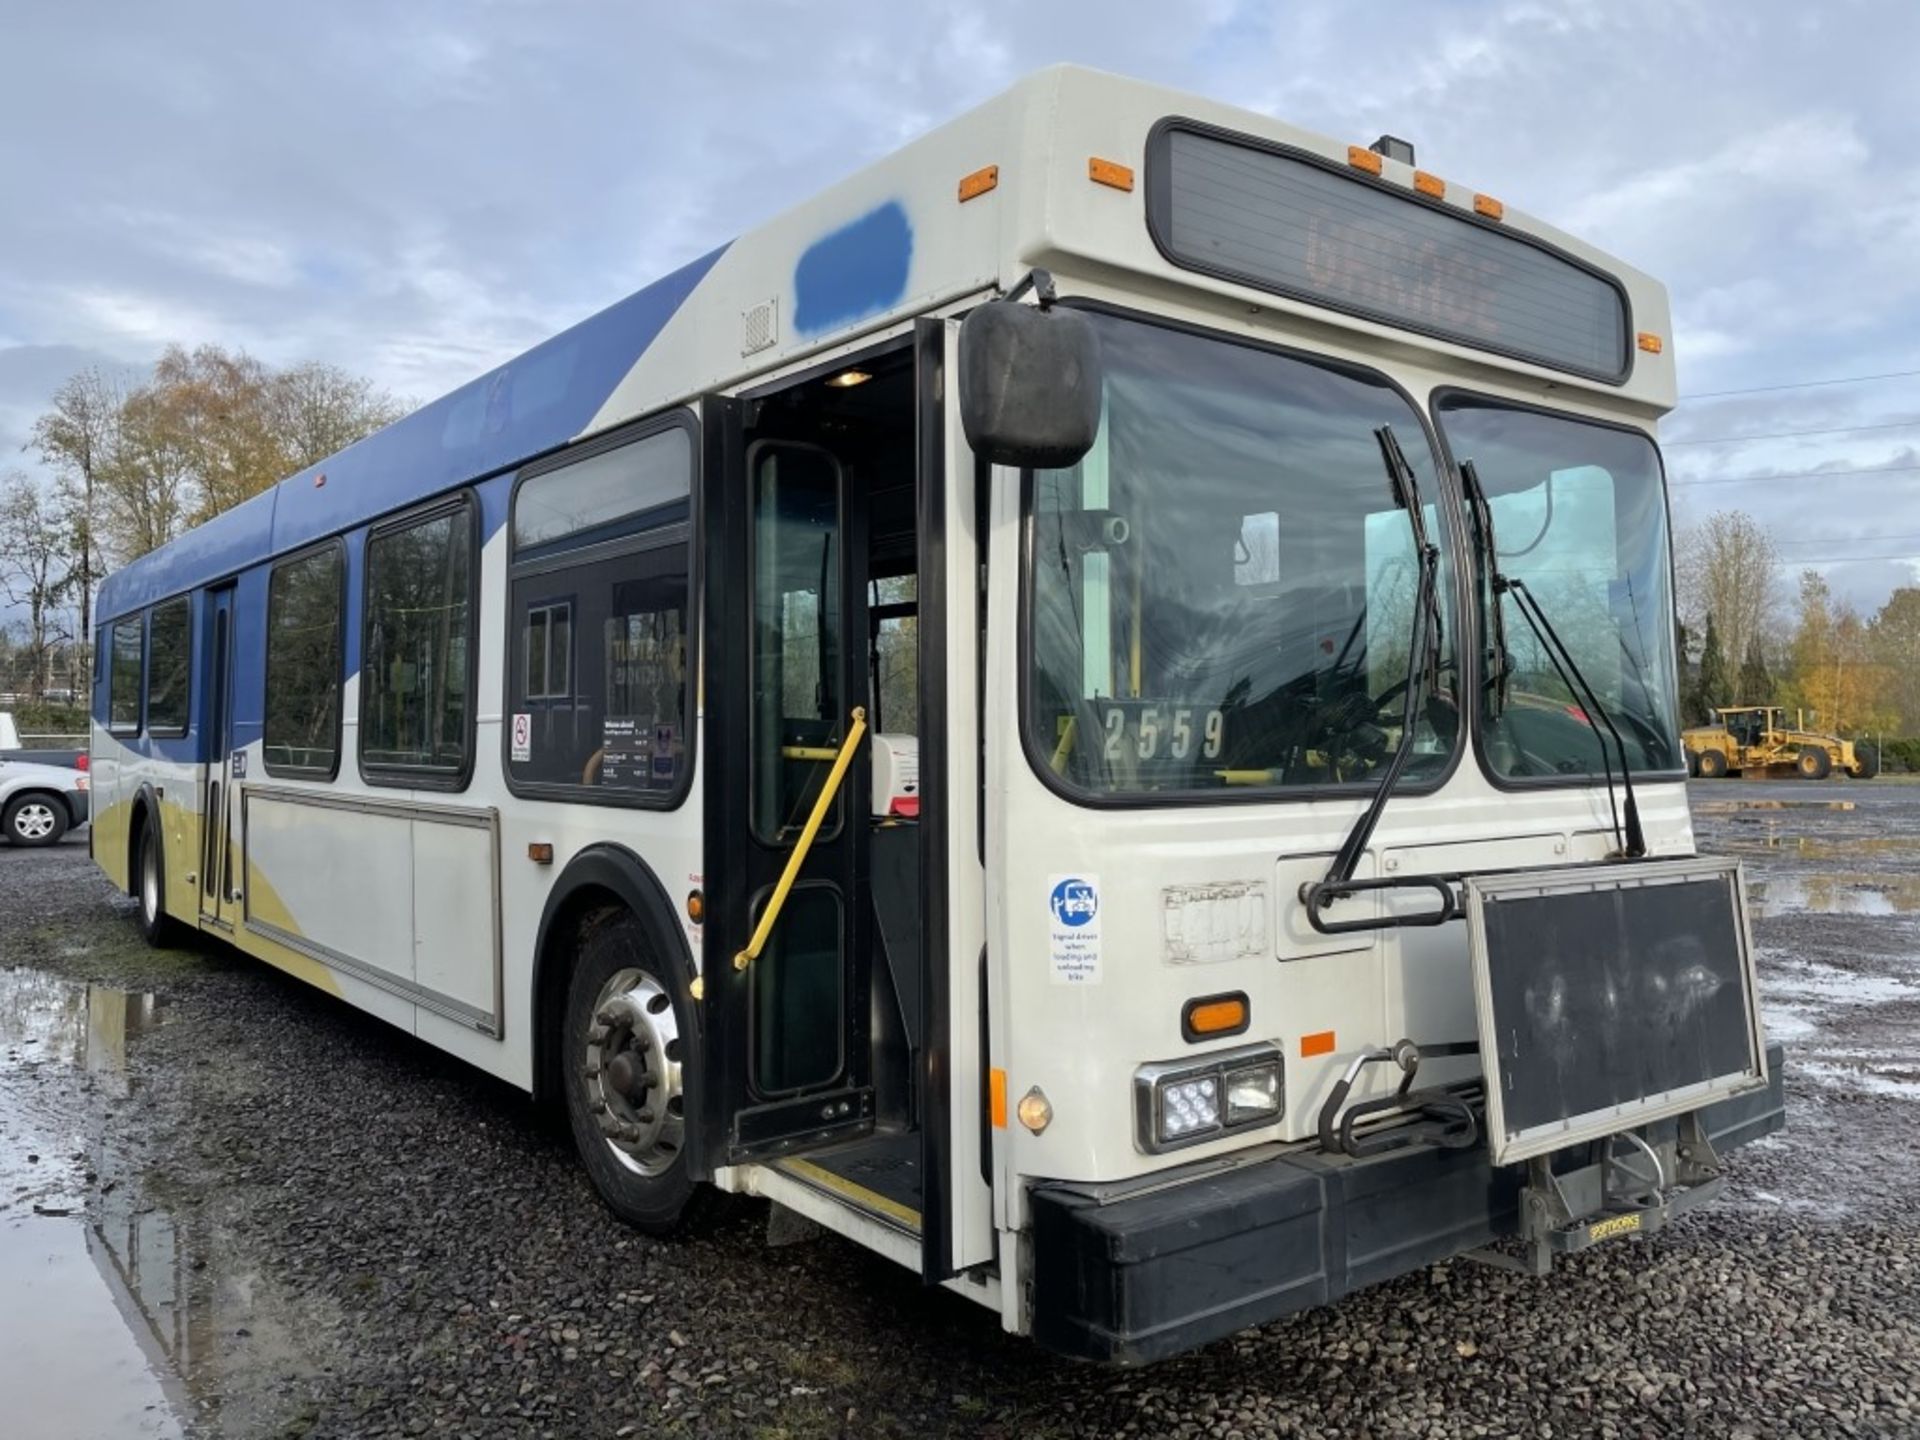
{"type": "Point", "coordinates": [1361, 158]}
{"type": "Point", "coordinates": [1428, 183]}
{"type": "Point", "coordinates": [1488, 206]}
{"type": "Point", "coordinates": [979, 182]}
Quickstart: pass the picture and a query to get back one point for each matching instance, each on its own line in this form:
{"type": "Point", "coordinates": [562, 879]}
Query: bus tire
{"type": "Point", "coordinates": [150, 886]}
{"type": "Point", "coordinates": [1713, 764]}
{"type": "Point", "coordinates": [620, 1056]}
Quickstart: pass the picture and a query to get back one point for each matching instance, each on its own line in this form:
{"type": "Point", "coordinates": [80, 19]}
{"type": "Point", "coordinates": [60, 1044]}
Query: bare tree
{"type": "Point", "coordinates": [77, 439]}
{"type": "Point", "coordinates": [1729, 569]}
{"type": "Point", "coordinates": [35, 573]}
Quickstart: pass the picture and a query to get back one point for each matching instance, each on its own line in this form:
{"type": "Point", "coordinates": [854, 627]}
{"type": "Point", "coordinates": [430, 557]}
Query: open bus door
{"type": "Point", "coordinates": [842, 1055]}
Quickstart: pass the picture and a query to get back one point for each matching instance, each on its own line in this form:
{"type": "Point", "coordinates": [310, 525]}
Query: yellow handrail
{"type": "Point", "coordinates": [805, 843]}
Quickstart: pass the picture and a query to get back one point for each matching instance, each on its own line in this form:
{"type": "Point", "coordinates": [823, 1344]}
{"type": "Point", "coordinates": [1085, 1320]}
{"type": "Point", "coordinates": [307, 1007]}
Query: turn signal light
{"type": "Point", "coordinates": [1214, 1015]}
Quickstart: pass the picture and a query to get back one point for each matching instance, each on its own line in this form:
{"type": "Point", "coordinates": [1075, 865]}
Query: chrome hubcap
{"type": "Point", "coordinates": [632, 1072]}
{"type": "Point", "coordinates": [33, 820]}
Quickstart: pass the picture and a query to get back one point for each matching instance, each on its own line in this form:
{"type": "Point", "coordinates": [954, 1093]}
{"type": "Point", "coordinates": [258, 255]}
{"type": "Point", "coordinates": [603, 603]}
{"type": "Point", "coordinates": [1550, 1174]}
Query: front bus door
{"type": "Point", "coordinates": [788, 1064]}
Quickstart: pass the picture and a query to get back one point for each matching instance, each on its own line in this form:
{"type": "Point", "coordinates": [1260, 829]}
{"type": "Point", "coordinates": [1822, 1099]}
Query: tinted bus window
{"type": "Point", "coordinates": [169, 651]}
{"type": "Point", "coordinates": [305, 602]}
{"type": "Point", "coordinates": [416, 665]}
{"type": "Point", "coordinates": [599, 691]}
{"type": "Point", "coordinates": [123, 675]}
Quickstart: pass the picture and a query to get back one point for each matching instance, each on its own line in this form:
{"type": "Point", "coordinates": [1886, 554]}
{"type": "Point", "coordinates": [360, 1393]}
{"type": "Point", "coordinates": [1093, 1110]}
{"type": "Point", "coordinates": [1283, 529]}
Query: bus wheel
{"type": "Point", "coordinates": [625, 1093]}
{"type": "Point", "coordinates": [150, 888]}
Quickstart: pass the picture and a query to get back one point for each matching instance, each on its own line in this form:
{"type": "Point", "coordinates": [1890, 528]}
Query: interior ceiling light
{"type": "Point", "coordinates": [847, 379]}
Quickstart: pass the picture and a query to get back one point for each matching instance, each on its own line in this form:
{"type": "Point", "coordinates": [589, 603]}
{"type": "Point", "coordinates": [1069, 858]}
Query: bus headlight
{"type": "Point", "coordinates": [1185, 1102]}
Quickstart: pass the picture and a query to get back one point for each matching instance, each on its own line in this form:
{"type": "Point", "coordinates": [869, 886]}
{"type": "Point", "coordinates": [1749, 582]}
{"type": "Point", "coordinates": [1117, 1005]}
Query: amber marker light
{"type": "Point", "coordinates": [1361, 158]}
{"type": "Point", "coordinates": [696, 907]}
{"type": "Point", "coordinates": [1318, 1043]}
{"type": "Point", "coordinates": [979, 182]}
{"type": "Point", "coordinates": [997, 1097]}
{"type": "Point", "coordinates": [1488, 206]}
{"type": "Point", "coordinates": [1209, 1016]}
{"type": "Point", "coordinates": [1428, 184]}
{"type": "Point", "coordinates": [1651, 343]}
{"type": "Point", "coordinates": [540, 852]}
{"type": "Point", "coordinates": [1110, 173]}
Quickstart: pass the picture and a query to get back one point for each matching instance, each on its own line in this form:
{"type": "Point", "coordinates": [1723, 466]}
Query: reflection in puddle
{"type": "Point", "coordinates": [1729, 807]}
{"type": "Point", "coordinates": [1819, 894]}
{"type": "Point", "coordinates": [120, 1317]}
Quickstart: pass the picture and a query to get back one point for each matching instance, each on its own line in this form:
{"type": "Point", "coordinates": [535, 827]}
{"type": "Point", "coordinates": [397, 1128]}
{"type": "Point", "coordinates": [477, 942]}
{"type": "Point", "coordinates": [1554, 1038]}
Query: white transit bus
{"type": "Point", "coordinates": [1092, 708]}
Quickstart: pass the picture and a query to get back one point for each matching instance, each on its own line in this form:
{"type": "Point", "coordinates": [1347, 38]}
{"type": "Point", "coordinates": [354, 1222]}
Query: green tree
{"type": "Point", "coordinates": [1895, 643]}
{"type": "Point", "coordinates": [1756, 685]}
{"type": "Point", "coordinates": [1710, 689]}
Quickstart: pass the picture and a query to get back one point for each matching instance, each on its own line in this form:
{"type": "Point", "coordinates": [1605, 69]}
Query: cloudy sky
{"type": "Point", "coordinates": [417, 192]}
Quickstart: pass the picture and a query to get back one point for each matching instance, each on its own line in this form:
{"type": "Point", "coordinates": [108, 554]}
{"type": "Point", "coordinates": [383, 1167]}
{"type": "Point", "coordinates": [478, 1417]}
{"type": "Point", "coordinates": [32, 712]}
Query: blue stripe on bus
{"type": "Point", "coordinates": [526, 407]}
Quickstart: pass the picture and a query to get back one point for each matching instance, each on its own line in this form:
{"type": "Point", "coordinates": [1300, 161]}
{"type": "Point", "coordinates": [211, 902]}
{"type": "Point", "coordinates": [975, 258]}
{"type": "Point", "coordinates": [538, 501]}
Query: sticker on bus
{"type": "Point", "coordinates": [1073, 923]}
{"type": "Point", "coordinates": [522, 737]}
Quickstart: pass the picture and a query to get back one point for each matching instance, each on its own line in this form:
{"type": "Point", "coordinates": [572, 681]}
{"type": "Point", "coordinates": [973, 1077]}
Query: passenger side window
{"type": "Point", "coordinates": [305, 608]}
{"type": "Point", "coordinates": [600, 678]}
{"type": "Point", "coordinates": [168, 650]}
{"type": "Point", "coordinates": [126, 662]}
{"type": "Point", "coordinates": [416, 661]}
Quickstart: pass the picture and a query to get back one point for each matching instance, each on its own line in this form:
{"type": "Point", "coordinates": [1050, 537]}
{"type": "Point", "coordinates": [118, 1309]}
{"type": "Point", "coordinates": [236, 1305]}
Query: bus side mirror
{"type": "Point", "coordinates": [1029, 384]}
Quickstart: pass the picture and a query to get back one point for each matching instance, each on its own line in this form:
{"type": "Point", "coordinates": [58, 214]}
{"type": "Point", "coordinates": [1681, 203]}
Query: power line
{"type": "Point", "coordinates": [1792, 434]}
{"type": "Point", "coordinates": [1792, 475]}
{"type": "Point", "coordinates": [1800, 385]}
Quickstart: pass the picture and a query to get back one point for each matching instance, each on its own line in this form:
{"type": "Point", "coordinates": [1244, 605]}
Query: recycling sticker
{"type": "Point", "coordinates": [1073, 928]}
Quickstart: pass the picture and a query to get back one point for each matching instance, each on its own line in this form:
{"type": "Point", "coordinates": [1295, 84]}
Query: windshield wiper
{"type": "Point", "coordinates": [1423, 677]}
{"type": "Point", "coordinates": [1500, 661]}
{"type": "Point", "coordinates": [1634, 842]}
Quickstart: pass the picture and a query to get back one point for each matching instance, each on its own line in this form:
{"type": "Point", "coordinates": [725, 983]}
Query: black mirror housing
{"type": "Point", "coordinates": [1029, 384]}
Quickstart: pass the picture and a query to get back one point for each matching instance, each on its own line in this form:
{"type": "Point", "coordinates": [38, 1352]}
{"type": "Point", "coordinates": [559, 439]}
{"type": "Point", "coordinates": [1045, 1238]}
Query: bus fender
{"type": "Point", "coordinates": [611, 870]}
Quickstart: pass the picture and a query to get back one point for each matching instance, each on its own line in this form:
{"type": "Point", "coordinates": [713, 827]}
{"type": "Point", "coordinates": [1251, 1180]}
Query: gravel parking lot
{"type": "Point", "coordinates": [231, 1206]}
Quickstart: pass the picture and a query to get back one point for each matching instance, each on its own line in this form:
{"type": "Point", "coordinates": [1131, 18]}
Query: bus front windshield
{"type": "Point", "coordinates": [1221, 594]}
{"type": "Point", "coordinates": [1579, 516]}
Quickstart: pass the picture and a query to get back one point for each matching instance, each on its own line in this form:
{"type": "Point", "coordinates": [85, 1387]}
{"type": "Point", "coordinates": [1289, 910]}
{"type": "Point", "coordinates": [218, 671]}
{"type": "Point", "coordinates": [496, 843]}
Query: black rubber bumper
{"type": "Point", "coordinates": [1132, 1280]}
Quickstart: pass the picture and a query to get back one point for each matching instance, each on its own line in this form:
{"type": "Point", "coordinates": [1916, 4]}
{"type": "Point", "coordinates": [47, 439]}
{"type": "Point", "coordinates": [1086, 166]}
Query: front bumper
{"type": "Point", "coordinates": [1137, 1278]}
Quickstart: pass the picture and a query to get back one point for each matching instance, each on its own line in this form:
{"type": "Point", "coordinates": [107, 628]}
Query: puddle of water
{"type": "Point", "coordinates": [1731, 807]}
{"type": "Point", "coordinates": [1872, 1076]}
{"type": "Point", "coordinates": [123, 1314]}
{"type": "Point", "coordinates": [1835, 894]}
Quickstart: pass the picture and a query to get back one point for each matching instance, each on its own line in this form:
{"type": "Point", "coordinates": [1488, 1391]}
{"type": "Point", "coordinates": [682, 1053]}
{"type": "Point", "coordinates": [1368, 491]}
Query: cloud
{"type": "Point", "coordinates": [418, 192]}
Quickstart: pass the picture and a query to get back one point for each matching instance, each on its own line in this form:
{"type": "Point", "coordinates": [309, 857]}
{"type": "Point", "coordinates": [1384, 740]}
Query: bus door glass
{"type": "Point", "coordinates": [216, 786]}
{"type": "Point", "coordinates": [799, 719]}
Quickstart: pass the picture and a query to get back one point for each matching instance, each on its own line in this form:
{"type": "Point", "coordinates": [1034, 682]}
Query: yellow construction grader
{"type": "Point", "coordinates": [1756, 740]}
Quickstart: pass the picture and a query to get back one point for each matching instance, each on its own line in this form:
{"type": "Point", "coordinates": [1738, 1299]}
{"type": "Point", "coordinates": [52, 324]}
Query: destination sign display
{"type": "Point", "coordinates": [1294, 226]}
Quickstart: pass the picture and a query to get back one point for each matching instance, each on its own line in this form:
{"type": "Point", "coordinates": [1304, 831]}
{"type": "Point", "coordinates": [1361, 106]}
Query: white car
{"type": "Point", "coordinates": [40, 803]}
